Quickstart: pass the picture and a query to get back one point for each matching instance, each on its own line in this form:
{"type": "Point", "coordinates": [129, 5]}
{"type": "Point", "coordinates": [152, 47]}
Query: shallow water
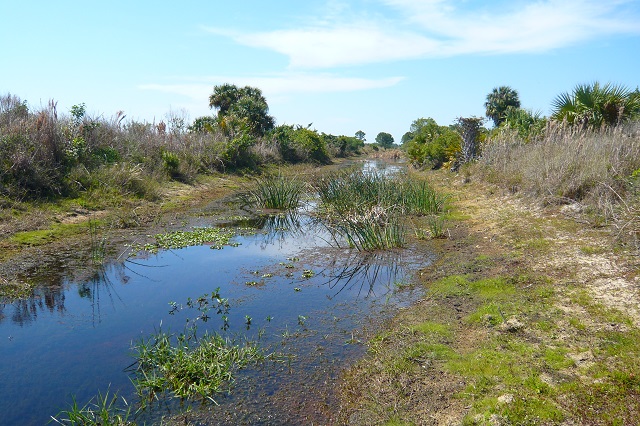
{"type": "Point", "coordinates": [74, 339]}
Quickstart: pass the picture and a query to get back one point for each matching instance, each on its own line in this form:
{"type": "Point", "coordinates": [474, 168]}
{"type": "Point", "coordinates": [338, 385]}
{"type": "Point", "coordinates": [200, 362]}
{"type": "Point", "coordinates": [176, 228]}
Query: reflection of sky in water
{"type": "Point", "coordinates": [75, 339]}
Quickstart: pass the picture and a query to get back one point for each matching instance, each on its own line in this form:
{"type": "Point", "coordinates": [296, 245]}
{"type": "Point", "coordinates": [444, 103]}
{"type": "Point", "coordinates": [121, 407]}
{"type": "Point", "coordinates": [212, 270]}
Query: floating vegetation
{"type": "Point", "coordinates": [215, 237]}
{"type": "Point", "coordinates": [186, 365]}
{"type": "Point", "coordinates": [308, 273]}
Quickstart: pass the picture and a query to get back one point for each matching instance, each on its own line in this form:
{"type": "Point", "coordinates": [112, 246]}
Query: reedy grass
{"type": "Point", "coordinates": [186, 366]}
{"type": "Point", "coordinates": [597, 169]}
{"type": "Point", "coordinates": [366, 208]}
{"type": "Point", "coordinates": [276, 192]}
{"type": "Point", "coordinates": [102, 410]}
{"type": "Point", "coordinates": [371, 231]}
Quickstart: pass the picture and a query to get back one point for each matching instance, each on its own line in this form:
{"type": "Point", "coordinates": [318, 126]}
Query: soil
{"type": "Point", "coordinates": [496, 233]}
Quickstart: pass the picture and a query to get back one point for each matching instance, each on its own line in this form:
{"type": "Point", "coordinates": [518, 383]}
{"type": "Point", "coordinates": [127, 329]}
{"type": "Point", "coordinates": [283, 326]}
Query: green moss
{"type": "Point", "coordinates": [43, 236]}
{"type": "Point", "coordinates": [433, 329]}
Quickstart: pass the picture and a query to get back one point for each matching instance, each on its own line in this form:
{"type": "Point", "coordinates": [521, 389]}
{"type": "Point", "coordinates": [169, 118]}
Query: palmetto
{"type": "Point", "coordinates": [596, 105]}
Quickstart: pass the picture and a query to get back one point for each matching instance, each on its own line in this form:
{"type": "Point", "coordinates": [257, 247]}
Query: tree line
{"type": "Point", "coordinates": [587, 106]}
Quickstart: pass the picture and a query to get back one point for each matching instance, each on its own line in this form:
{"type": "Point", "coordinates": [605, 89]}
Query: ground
{"type": "Point", "coordinates": [530, 317]}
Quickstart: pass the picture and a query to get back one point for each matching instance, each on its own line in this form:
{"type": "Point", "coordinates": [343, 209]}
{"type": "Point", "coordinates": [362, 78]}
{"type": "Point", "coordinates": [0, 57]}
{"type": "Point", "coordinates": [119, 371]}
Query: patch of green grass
{"type": "Point", "coordinates": [276, 192]}
{"type": "Point", "coordinates": [187, 366]}
{"type": "Point", "coordinates": [591, 250]}
{"type": "Point", "coordinates": [101, 410]}
{"type": "Point", "coordinates": [44, 236]}
{"type": "Point", "coordinates": [557, 359]}
{"type": "Point", "coordinates": [489, 315]}
{"type": "Point", "coordinates": [433, 329]}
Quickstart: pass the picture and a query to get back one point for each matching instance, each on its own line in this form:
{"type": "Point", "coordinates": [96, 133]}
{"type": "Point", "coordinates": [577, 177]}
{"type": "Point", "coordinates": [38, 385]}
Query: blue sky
{"type": "Point", "coordinates": [371, 65]}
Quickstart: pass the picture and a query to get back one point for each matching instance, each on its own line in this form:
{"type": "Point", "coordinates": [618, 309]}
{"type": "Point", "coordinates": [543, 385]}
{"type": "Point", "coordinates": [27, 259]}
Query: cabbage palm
{"type": "Point", "coordinates": [596, 105]}
{"type": "Point", "coordinates": [499, 101]}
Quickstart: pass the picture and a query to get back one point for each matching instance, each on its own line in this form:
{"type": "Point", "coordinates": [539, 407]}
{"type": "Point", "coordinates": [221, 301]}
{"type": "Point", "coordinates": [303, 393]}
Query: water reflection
{"type": "Point", "coordinates": [364, 273]}
{"type": "Point", "coordinates": [51, 298]}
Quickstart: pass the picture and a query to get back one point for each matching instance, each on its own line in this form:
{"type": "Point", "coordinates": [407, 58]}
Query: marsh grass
{"type": "Point", "coordinates": [102, 410]}
{"type": "Point", "coordinates": [188, 366]}
{"type": "Point", "coordinates": [276, 192]}
{"type": "Point", "coordinates": [367, 209]}
{"type": "Point", "coordinates": [373, 230]}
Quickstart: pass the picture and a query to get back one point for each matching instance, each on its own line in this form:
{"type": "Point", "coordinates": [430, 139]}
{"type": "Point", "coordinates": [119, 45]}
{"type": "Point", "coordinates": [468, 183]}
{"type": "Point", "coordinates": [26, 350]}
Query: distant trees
{"type": "Point", "coordinates": [499, 101]}
{"type": "Point", "coordinates": [595, 105]}
{"type": "Point", "coordinates": [243, 107]}
{"type": "Point", "coordinates": [384, 140]}
{"type": "Point", "coordinates": [360, 135]}
{"type": "Point", "coordinates": [429, 144]}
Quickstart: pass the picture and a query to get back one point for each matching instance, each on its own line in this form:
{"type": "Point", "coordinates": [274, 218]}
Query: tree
{"type": "Point", "coordinates": [361, 135]}
{"type": "Point", "coordinates": [498, 101]}
{"type": "Point", "coordinates": [406, 138]}
{"type": "Point", "coordinates": [595, 105]}
{"type": "Point", "coordinates": [432, 145]}
{"type": "Point", "coordinates": [469, 130]}
{"type": "Point", "coordinates": [384, 140]}
{"type": "Point", "coordinates": [243, 107]}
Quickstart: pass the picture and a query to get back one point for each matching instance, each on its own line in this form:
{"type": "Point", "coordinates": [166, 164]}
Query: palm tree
{"type": "Point", "coordinates": [595, 105]}
{"type": "Point", "coordinates": [498, 101]}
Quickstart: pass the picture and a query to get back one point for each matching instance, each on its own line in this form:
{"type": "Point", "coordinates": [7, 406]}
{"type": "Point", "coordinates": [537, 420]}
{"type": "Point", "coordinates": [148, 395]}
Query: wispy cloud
{"type": "Point", "coordinates": [435, 28]}
{"type": "Point", "coordinates": [273, 86]}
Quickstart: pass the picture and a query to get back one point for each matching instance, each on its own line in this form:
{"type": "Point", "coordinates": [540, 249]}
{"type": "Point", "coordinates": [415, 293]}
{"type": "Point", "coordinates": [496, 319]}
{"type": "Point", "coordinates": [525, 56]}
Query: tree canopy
{"type": "Point", "coordinates": [499, 101]}
{"type": "Point", "coordinates": [243, 107]}
{"type": "Point", "coordinates": [596, 105]}
{"type": "Point", "coordinates": [384, 140]}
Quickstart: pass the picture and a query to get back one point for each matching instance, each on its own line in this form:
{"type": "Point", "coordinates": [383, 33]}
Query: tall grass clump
{"type": "Point", "coordinates": [569, 164]}
{"type": "Point", "coordinates": [371, 230]}
{"type": "Point", "coordinates": [276, 192]}
{"type": "Point", "coordinates": [366, 208]}
{"type": "Point", "coordinates": [99, 411]}
{"type": "Point", "coordinates": [187, 366]}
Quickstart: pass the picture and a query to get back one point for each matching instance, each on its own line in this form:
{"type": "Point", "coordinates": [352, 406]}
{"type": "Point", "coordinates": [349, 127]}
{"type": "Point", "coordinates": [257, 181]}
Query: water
{"type": "Point", "coordinates": [74, 339]}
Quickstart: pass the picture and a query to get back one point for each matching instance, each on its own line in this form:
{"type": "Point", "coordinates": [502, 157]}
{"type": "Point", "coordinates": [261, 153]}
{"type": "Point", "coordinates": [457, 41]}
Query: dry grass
{"type": "Point", "coordinates": [597, 171]}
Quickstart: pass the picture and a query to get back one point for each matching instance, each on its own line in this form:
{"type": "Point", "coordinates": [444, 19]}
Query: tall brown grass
{"type": "Point", "coordinates": [598, 170]}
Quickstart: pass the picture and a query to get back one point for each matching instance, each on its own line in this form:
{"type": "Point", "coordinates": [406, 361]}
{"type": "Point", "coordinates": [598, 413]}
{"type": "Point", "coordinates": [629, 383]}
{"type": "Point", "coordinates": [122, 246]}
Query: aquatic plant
{"type": "Point", "coordinates": [276, 192]}
{"type": "Point", "coordinates": [373, 230]}
{"type": "Point", "coordinates": [100, 410]}
{"type": "Point", "coordinates": [215, 237]}
{"type": "Point", "coordinates": [187, 366]}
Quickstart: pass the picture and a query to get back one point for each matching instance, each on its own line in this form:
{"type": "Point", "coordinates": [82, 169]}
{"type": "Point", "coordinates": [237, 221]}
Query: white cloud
{"type": "Point", "coordinates": [433, 28]}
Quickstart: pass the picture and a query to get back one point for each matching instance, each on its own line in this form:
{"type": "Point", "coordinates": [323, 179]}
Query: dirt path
{"type": "Point", "coordinates": [531, 317]}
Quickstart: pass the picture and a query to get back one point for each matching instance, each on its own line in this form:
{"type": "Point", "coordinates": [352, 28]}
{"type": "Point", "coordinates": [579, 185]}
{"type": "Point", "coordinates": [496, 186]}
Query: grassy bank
{"type": "Point", "coordinates": [530, 317]}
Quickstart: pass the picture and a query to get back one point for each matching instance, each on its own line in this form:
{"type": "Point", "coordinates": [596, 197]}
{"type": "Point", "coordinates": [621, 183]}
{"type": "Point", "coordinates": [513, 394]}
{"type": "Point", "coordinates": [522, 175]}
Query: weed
{"type": "Point", "coordinates": [100, 410]}
{"type": "Point", "coordinates": [189, 366]}
{"type": "Point", "coordinates": [276, 192]}
{"type": "Point", "coordinates": [215, 237]}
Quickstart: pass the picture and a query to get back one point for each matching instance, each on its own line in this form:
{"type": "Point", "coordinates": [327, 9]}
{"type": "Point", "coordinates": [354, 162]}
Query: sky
{"type": "Point", "coordinates": [341, 66]}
